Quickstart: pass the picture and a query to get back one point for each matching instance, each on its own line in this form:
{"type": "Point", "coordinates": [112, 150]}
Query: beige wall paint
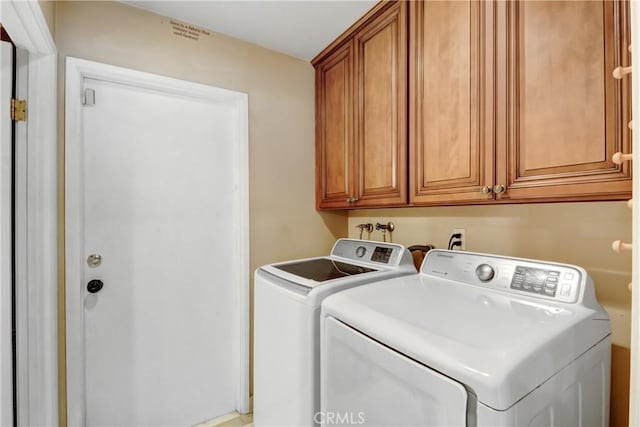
{"type": "Point", "coordinates": [284, 223]}
{"type": "Point", "coordinates": [48, 10]}
{"type": "Point", "coordinates": [575, 233]}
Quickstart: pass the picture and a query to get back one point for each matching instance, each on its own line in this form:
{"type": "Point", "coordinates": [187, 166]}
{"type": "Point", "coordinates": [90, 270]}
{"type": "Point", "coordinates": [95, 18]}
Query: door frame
{"type": "Point", "coordinates": [36, 218]}
{"type": "Point", "coordinates": [76, 71]}
{"type": "Point", "coordinates": [6, 235]}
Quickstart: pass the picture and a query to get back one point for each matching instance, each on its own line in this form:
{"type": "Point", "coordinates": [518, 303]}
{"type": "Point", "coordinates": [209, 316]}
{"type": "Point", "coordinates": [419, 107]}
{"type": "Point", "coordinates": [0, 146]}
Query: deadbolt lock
{"type": "Point", "coordinates": [94, 286]}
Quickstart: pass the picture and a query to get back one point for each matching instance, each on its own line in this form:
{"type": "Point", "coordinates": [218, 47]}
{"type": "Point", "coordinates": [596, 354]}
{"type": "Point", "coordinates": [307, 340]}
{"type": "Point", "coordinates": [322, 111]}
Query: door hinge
{"type": "Point", "coordinates": [18, 110]}
{"type": "Point", "coordinates": [89, 97]}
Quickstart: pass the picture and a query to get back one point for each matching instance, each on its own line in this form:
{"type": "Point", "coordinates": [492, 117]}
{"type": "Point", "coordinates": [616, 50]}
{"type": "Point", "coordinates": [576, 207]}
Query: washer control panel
{"type": "Point", "coordinates": [364, 250]}
{"type": "Point", "coordinates": [381, 254]}
{"type": "Point", "coordinates": [558, 282]}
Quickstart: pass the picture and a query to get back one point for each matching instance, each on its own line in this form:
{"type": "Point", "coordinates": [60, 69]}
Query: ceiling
{"type": "Point", "coordinates": [297, 28]}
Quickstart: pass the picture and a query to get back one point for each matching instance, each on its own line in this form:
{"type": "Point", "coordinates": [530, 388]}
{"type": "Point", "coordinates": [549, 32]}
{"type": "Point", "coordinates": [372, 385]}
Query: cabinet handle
{"type": "Point", "coordinates": [618, 158]}
{"type": "Point", "coordinates": [499, 189]}
{"type": "Point", "coordinates": [619, 246]}
{"type": "Point", "coordinates": [486, 189]}
{"type": "Point", "coordinates": [351, 200]}
{"type": "Point", "coordinates": [620, 72]}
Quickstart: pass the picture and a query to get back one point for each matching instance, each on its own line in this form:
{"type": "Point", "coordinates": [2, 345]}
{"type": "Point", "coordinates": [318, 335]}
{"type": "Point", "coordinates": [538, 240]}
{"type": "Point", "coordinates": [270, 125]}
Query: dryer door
{"type": "Point", "coordinates": [366, 383]}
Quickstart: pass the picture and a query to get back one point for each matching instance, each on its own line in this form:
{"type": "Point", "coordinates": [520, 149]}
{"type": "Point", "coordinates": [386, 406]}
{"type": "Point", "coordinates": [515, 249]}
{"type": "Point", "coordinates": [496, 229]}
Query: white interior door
{"type": "Point", "coordinates": [6, 370]}
{"type": "Point", "coordinates": [158, 192]}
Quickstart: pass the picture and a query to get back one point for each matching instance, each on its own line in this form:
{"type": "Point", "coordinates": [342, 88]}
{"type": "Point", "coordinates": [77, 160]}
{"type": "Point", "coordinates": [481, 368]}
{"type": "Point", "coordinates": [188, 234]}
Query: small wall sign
{"type": "Point", "coordinates": [187, 31]}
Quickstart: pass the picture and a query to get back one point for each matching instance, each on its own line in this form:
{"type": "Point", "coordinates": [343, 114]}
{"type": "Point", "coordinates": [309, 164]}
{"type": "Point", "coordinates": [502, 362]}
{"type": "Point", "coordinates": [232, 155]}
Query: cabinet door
{"type": "Point", "coordinates": [561, 114]}
{"type": "Point", "coordinates": [334, 129]}
{"type": "Point", "coordinates": [451, 110]}
{"type": "Point", "coordinates": [381, 117]}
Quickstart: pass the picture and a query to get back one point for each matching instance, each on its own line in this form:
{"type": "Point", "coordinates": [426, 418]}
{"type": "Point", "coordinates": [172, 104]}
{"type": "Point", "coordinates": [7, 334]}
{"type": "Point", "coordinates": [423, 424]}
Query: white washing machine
{"type": "Point", "coordinates": [286, 386]}
{"type": "Point", "coordinates": [473, 340]}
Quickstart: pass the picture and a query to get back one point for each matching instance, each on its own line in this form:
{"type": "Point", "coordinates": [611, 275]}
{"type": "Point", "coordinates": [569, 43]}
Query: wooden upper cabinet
{"type": "Point", "coordinates": [451, 139]}
{"type": "Point", "coordinates": [472, 101]}
{"type": "Point", "coordinates": [381, 118]}
{"type": "Point", "coordinates": [334, 129]}
{"type": "Point", "coordinates": [361, 114]}
{"type": "Point", "coordinates": [561, 115]}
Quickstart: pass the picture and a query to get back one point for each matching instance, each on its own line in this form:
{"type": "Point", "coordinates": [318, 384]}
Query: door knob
{"type": "Point", "coordinates": [94, 286]}
{"type": "Point", "coordinates": [498, 189]}
{"type": "Point", "coordinates": [486, 189]}
{"type": "Point", "coordinates": [94, 260]}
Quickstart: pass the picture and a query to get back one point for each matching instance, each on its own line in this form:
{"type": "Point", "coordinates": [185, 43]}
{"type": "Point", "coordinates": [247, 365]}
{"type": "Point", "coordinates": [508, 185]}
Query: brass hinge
{"type": "Point", "coordinates": [18, 110]}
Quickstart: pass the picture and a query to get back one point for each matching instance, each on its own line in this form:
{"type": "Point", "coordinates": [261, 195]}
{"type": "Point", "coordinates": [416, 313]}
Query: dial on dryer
{"type": "Point", "coordinates": [485, 272]}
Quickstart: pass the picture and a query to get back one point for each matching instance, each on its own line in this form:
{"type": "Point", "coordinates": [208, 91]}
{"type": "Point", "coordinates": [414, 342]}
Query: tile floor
{"type": "Point", "coordinates": [233, 419]}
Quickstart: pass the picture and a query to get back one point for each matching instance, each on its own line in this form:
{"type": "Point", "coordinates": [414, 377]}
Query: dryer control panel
{"type": "Point", "coordinates": [546, 280]}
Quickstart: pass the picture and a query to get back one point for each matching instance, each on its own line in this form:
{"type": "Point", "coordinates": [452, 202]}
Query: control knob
{"type": "Point", "coordinates": [485, 272]}
{"type": "Point", "coordinates": [360, 251]}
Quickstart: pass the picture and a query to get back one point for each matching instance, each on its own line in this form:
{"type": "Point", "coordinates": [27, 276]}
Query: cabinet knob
{"type": "Point", "coordinates": [499, 189]}
{"type": "Point", "coordinates": [619, 246]}
{"type": "Point", "coordinates": [620, 72]}
{"type": "Point", "coordinates": [351, 200]}
{"type": "Point", "coordinates": [618, 158]}
{"type": "Point", "coordinates": [486, 189]}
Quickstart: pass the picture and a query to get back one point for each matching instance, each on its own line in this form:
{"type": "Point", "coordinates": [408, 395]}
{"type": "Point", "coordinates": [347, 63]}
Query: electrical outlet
{"type": "Point", "coordinates": [463, 238]}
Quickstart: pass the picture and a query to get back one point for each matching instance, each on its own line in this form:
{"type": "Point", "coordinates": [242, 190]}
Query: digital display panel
{"type": "Point", "coordinates": [381, 254]}
{"type": "Point", "coordinates": [535, 280]}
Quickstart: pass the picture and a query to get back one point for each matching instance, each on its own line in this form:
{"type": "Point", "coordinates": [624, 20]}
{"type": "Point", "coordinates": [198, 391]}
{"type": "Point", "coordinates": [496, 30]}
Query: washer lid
{"type": "Point", "coordinates": [322, 269]}
{"type": "Point", "coordinates": [500, 346]}
{"type": "Point", "coordinates": [350, 262]}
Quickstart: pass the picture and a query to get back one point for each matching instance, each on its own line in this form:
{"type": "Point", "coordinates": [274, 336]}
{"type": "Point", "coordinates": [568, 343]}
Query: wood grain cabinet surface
{"type": "Point", "coordinates": [334, 129]}
{"type": "Point", "coordinates": [361, 115]}
{"type": "Point", "coordinates": [451, 141]}
{"type": "Point", "coordinates": [495, 102]}
{"type": "Point", "coordinates": [560, 114]}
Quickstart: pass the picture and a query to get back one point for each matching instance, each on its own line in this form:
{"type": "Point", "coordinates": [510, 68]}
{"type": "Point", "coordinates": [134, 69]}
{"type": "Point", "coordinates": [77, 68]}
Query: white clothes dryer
{"type": "Point", "coordinates": [286, 386]}
{"type": "Point", "coordinates": [473, 340]}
